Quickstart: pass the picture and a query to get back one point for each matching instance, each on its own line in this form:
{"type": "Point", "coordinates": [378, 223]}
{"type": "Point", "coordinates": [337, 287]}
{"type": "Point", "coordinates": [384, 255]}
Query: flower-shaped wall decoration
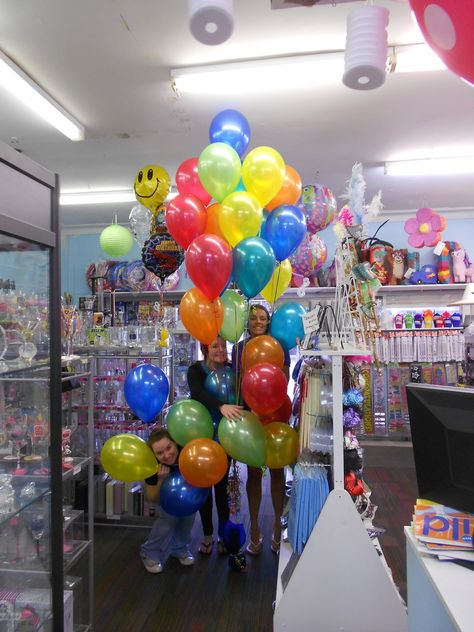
{"type": "Point", "coordinates": [425, 228]}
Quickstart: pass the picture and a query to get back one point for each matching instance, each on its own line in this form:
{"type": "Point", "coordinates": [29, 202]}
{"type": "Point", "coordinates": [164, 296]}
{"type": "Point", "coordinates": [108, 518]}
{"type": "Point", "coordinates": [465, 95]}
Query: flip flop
{"type": "Point", "coordinates": [205, 548]}
{"type": "Point", "coordinates": [255, 548]}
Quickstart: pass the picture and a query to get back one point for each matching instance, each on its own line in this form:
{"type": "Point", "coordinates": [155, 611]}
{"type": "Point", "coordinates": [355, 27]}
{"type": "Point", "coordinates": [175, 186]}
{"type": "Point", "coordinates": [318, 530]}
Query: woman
{"type": "Point", "coordinates": [258, 325]}
{"type": "Point", "coordinates": [215, 359]}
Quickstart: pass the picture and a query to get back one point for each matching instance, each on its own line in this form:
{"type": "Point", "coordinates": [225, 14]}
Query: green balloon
{"type": "Point", "coordinates": [188, 420]}
{"type": "Point", "coordinates": [244, 440]}
{"type": "Point", "coordinates": [219, 169]}
{"type": "Point", "coordinates": [235, 316]}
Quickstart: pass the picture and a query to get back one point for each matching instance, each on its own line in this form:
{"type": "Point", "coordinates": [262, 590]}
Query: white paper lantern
{"type": "Point", "coordinates": [211, 21]}
{"type": "Point", "coordinates": [366, 48]}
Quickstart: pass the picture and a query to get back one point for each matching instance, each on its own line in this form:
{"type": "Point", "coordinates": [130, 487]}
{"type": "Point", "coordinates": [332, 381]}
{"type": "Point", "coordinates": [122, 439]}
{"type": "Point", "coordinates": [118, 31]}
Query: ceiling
{"type": "Point", "coordinates": [108, 63]}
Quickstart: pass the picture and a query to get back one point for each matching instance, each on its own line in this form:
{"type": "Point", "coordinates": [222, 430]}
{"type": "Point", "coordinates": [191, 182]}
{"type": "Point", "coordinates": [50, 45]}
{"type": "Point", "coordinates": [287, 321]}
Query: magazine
{"type": "Point", "coordinates": [436, 523]}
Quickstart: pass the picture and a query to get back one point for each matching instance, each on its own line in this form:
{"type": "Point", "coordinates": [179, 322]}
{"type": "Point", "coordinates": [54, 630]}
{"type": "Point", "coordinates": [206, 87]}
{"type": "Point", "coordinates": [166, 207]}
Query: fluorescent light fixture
{"type": "Point", "coordinates": [296, 71]}
{"type": "Point", "coordinates": [430, 166]}
{"type": "Point", "coordinates": [83, 198]}
{"type": "Point", "coordinates": [28, 92]}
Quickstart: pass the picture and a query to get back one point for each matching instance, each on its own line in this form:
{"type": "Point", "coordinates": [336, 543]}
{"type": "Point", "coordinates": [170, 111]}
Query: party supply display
{"type": "Point", "coordinates": [185, 219]}
{"type": "Point", "coordinates": [116, 240]}
{"type": "Point", "coordinates": [126, 457]}
{"type": "Point", "coordinates": [232, 128]}
{"type": "Point", "coordinates": [151, 186]}
{"type": "Point", "coordinates": [240, 216]}
{"type": "Point", "coordinates": [146, 390]}
{"type": "Point", "coordinates": [264, 388]}
{"type": "Point", "coordinates": [179, 498]}
{"type": "Point", "coordinates": [235, 316]}
{"type": "Point", "coordinates": [290, 190]}
{"type": "Point", "coordinates": [463, 270]}
{"type": "Point", "coordinates": [203, 462]}
{"type": "Point", "coordinates": [279, 282]}
{"type": "Point", "coordinates": [188, 183]}
{"type": "Point", "coordinates": [220, 383]}
{"type": "Point", "coordinates": [188, 420]}
{"type": "Point", "coordinates": [286, 324]}
{"type": "Point", "coordinates": [281, 445]}
{"type": "Point", "coordinates": [140, 221]}
{"type": "Point", "coordinates": [253, 265]}
{"type": "Point", "coordinates": [244, 440]}
{"type": "Point", "coordinates": [284, 230]}
{"type": "Point", "coordinates": [263, 173]}
{"type": "Point", "coordinates": [425, 229]}
{"type": "Point", "coordinates": [219, 170]}
{"type": "Point", "coordinates": [161, 254]}
{"type": "Point", "coordinates": [319, 205]}
{"type": "Point", "coordinates": [209, 264]}
{"type": "Point", "coordinates": [447, 27]}
{"type": "Point", "coordinates": [201, 317]}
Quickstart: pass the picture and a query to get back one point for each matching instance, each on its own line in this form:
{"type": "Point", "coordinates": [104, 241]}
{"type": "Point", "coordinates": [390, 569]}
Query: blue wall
{"type": "Point", "coordinates": [80, 250]}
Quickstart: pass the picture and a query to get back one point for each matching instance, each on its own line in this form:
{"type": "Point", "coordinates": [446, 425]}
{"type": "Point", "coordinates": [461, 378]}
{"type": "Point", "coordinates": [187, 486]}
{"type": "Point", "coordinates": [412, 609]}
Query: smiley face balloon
{"type": "Point", "coordinates": [151, 186]}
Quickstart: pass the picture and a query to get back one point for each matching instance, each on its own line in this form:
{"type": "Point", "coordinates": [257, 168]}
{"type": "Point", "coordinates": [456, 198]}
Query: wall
{"type": "Point", "coordinates": [80, 250]}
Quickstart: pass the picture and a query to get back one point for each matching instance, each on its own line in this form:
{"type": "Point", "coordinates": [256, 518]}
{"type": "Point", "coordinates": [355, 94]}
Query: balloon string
{"type": "Point", "coordinates": [276, 287]}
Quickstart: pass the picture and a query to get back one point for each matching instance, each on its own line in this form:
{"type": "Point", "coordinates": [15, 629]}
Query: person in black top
{"type": "Point", "coordinates": [215, 359]}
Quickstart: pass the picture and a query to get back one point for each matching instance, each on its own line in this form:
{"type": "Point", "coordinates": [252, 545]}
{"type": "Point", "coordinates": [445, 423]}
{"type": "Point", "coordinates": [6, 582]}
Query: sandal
{"type": "Point", "coordinates": [205, 548]}
{"type": "Point", "coordinates": [275, 545]}
{"type": "Point", "coordinates": [255, 548]}
{"type": "Point", "coordinates": [221, 547]}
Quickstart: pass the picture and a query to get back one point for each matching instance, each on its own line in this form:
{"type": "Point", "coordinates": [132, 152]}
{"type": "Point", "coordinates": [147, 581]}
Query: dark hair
{"type": "Point", "coordinates": [157, 434]}
{"type": "Point", "coordinates": [205, 348]}
{"type": "Point", "coordinates": [256, 306]}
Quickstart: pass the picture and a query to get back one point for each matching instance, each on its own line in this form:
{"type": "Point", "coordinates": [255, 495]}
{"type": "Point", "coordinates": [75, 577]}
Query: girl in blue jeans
{"type": "Point", "coordinates": [166, 452]}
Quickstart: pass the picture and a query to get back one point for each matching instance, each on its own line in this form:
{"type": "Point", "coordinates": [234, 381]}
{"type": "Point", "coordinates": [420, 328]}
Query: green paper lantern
{"type": "Point", "coordinates": [116, 240]}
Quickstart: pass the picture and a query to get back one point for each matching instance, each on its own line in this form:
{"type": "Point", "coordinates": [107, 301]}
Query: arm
{"type": "Point", "coordinates": [153, 483]}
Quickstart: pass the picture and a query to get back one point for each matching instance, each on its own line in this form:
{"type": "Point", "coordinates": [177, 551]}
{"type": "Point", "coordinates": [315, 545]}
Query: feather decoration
{"type": "Point", "coordinates": [355, 192]}
{"type": "Point", "coordinates": [373, 210]}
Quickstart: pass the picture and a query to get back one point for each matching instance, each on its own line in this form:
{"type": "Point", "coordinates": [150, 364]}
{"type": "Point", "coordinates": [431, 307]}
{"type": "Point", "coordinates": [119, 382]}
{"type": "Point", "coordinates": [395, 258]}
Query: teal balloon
{"type": "Point", "coordinates": [219, 170]}
{"type": "Point", "coordinates": [286, 324]}
{"type": "Point", "coordinates": [235, 316]}
{"type": "Point", "coordinates": [188, 420]}
{"type": "Point", "coordinates": [220, 383]}
{"type": "Point", "coordinates": [244, 440]}
{"type": "Point", "coordinates": [241, 186]}
{"type": "Point", "coordinates": [253, 265]}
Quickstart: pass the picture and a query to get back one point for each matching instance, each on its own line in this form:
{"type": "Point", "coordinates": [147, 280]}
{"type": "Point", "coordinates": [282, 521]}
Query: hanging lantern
{"type": "Point", "coordinates": [116, 240]}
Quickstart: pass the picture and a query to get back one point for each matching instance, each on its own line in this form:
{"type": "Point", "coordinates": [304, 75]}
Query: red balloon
{"type": "Point", "coordinates": [447, 28]}
{"type": "Point", "coordinates": [282, 414]}
{"type": "Point", "coordinates": [186, 218]}
{"type": "Point", "coordinates": [209, 264]}
{"type": "Point", "coordinates": [188, 183]}
{"type": "Point", "coordinates": [264, 388]}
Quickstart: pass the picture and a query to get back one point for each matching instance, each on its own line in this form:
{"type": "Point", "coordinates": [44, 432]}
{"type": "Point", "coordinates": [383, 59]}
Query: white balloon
{"type": "Point", "coordinates": [140, 221]}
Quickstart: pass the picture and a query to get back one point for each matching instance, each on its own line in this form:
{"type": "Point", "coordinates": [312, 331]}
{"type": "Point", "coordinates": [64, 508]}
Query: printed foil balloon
{"type": "Point", "coordinates": [151, 186]}
{"type": "Point", "coordinates": [303, 261]}
{"type": "Point", "coordinates": [319, 205]}
{"type": "Point", "coordinates": [161, 254]}
{"type": "Point", "coordinates": [140, 221]}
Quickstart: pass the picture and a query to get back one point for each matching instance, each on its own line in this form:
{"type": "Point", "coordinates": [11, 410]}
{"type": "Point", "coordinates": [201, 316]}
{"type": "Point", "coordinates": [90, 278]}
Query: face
{"type": "Point", "coordinates": [166, 451]}
{"type": "Point", "coordinates": [258, 322]}
{"type": "Point", "coordinates": [217, 351]}
{"type": "Point", "coordinates": [151, 186]}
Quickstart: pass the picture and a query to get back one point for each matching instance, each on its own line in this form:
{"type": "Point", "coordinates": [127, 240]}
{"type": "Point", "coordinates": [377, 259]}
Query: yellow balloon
{"type": "Point", "coordinates": [281, 445]}
{"type": "Point", "coordinates": [280, 280]}
{"type": "Point", "coordinates": [240, 216]}
{"type": "Point", "coordinates": [151, 186]}
{"type": "Point", "coordinates": [128, 458]}
{"type": "Point", "coordinates": [263, 173]}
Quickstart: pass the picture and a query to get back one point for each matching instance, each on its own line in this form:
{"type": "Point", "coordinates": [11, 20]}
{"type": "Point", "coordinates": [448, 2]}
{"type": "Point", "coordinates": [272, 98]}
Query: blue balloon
{"type": "Point", "coordinates": [232, 128]}
{"type": "Point", "coordinates": [220, 383]}
{"type": "Point", "coordinates": [284, 230]}
{"type": "Point", "coordinates": [253, 265]}
{"type": "Point", "coordinates": [263, 224]}
{"type": "Point", "coordinates": [146, 390]}
{"type": "Point", "coordinates": [178, 497]}
{"type": "Point", "coordinates": [286, 324]}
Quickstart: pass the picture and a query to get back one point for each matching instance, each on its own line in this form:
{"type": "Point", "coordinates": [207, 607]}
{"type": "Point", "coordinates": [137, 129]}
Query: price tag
{"type": "Point", "coordinates": [77, 470]}
{"type": "Point", "coordinates": [438, 249]}
{"type": "Point", "coordinates": [311, 320]}
{"type": "Point", "coordinates": [408, 273]}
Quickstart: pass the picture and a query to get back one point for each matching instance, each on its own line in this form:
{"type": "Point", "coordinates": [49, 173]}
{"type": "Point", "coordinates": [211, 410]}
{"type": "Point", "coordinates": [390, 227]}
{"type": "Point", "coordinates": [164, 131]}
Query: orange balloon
{"type": "Point", "coordinates": [262, 349]}
{"type": "Point", "coordinates": [213, 226]}
{"type": "Point", "coordinates": [290, 190]}
{"type": "Point", "coordinates": [201, 317]}
{"type": "Point", "coordinates": [281, 446]}
{"type": "Point", "coordinates": [203, 462]}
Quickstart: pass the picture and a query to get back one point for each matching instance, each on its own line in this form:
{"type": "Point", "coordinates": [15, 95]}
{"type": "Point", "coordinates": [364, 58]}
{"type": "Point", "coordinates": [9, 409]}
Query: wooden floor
{"type": "Point", "coordinates": [209, 597]}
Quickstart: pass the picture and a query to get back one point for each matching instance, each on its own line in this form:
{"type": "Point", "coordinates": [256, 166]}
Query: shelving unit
{"type": "Point", "coordinates": [339, 559]}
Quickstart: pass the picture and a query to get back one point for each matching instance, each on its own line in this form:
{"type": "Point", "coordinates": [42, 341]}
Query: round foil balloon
{"type": "Point", "coordinates": [140, 221]}
{"type": "Point", "coordinates": [319, 205]}
{"type": "Point", "coordinates": [161, 254]}
{"type": "Point", "coordinates": [151, 186]}
{"type": "Point", "coordinates": [304, 261]}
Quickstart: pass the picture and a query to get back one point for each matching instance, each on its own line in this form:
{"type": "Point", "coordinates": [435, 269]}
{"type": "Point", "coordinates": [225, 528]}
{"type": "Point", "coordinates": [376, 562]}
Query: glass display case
{"type": "Point", "coordinates": [33, 559]}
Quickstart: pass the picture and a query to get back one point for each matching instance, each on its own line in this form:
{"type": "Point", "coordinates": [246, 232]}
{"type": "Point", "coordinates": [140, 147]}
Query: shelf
{"type": "Point", "coordinates": [22, 503]}
{"type": "Point", "coordinates": [432, 329]}
{"type": "Point", "coordinates": [36, 566]}
{"type": "Point", "coordinates": [78, 464]}
{"type": "Point", "coordinates": [79, 548]}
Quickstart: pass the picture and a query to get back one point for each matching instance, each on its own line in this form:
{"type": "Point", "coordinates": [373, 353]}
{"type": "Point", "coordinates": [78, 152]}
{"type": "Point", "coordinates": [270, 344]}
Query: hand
{"type": "Point", "coordinates": [163, 471]}
{"type": "Point", "coordinates": [232, 412]}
